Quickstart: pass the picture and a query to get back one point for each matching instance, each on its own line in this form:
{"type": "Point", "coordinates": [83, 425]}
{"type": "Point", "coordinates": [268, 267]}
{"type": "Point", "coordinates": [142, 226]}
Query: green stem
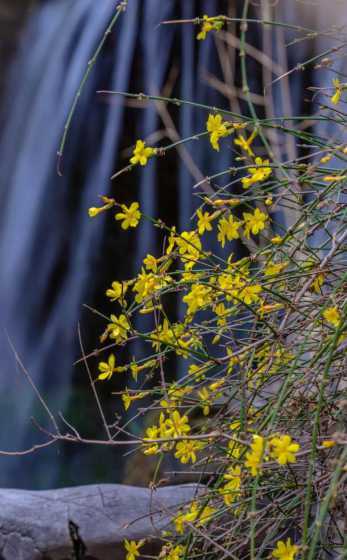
{"type": "Point", "coordinates": [325, 504]}
{"type": "Point", "coordinates": [313, 454]}
{"type": "Point", "coordinates": [90, 65]}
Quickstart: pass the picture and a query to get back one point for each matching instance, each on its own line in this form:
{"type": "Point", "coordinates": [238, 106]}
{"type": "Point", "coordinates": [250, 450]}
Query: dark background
{"type": "Point", "coordinates": [12, 17]}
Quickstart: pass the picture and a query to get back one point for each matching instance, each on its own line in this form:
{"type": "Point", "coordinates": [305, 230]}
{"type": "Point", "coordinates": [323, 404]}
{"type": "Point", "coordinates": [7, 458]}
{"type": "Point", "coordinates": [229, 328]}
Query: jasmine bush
{"type": "Point", "coordinates": [261, 340]}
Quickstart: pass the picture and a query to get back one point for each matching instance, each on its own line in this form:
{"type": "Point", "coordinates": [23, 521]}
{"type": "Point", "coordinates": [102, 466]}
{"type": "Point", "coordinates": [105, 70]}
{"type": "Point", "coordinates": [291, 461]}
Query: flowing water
{"type": "Point", "coordinates": [49, 248]}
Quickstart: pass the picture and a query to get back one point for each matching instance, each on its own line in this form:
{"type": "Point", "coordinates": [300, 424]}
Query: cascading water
{"type": "Point", "coordinates": [48, 244]}
{"type": "Point", "coordinates": [49, 248]}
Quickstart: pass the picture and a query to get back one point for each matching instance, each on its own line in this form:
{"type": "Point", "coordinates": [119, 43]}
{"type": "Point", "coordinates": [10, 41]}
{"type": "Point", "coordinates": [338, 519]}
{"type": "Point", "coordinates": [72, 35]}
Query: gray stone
{"type": "Point", "coordinates": [35, 524]}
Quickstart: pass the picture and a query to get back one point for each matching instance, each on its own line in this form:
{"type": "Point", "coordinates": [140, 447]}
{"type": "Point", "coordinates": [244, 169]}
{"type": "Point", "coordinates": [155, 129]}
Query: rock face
{"type": "Point", "coordinates": [34, 525]}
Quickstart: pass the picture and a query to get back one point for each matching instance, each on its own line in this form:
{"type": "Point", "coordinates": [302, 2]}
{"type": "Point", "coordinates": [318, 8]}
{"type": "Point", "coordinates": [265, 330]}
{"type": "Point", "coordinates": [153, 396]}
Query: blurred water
{"type": "Point", "coordinates": [47, 240]}
{"type": "Point", "coordinates": [48, 245]}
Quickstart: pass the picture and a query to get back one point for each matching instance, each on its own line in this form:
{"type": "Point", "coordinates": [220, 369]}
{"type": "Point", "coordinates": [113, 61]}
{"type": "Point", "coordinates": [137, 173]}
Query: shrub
{"type": "Point", "coordinates": [260, 339]}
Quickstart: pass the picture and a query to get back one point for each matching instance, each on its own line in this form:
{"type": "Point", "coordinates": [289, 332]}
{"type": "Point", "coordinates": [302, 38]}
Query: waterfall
{"type": "Point", "coordinates": [49, 248]}
{"type": "Point", "coordinates": [48, 244]}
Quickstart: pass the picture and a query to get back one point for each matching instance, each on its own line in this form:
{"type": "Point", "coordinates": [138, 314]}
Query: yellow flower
{"type": "Point", "coordinates": [197, 371]}
{"type": "Point", "coordinates": [175, 395]}
{"type": "Point", "coordinates": [176, 425]}
{"type": "Point", "coordinates": [249, 294]}
{"type": "Point", "coordinates": [183, 518]}
{"type": "Point", "coordinates": [204, 221]}
{"type": "Point", "coordinates": [117, 329]}
{"type": "Point", "coordinates": [189, 245]}
{"type": "Point", "coordinates": [222, 314]}
{"type": "Point", "coordinates": [332, 316]}
{"type": "Point", "coordinates": [326, 159]}
{"type": "Point", "coordinates": [132, 548]}
{"type": "Point", "coordinates": [217, 129]}
{"type": "Point", "coordinates": [285, 550]}
{"type": "Point", "coordinates": [204, 400]}
{"type": "Point", "coordinates": [135, 368]}
{"type": "Point", "coordinates": [188, 242]}
{"type": "Point", "coordinates": [219, 202]}
{"type": "Point", "coordinates": [277, 240]}
{"type": "Point", "coordinates": [231, 490]}
{"type": "Point", "coordinates": [283, 449]}
{"type": "Point", "coordinates": [257, 174]}
{"type": "Point", "coordinates": [117, 290]}
{"type": "Point", "coordinates": [244, 144]}
{"type": "Point", "coordinates": [338, 91]}
{"type": "Point", "coordinates": [172, 553]}
{"type": "Point", "coordinates": [209, 24]}
{"type": "Point", "coordinates": [193, 514]}
{"type": "Point", "coordinates": [142, 153]}
{"type": "Point", "coordinates": [334, 178]}
{"type": "Point", "coordinates": [109, 202]}
{"type": "Point", "coordinates": [130, 216]}
{"type": "Point", "coordinates": [128, 399]}
{"type": "Point", "coordinates": [171, 426]}
{"type": "Point", "coordinates": [186, 450]}
{"type": "Point", "coordinates": [231, 286]}
{"type": "Point", "coordinates": [228, 229]}
{"type": "Point", "coordinates": [107, 368]}
{"type": "Point", "coordinates": [152, 448]}
{"type": "Point", "coordinates": [327, 443]}
{"type": "Point", "coordinates": [235, 425]}
{"type": "Point", "coordinates": [254, 223]}
{"type": "Point", "coordinates": [253, 463]}
{"type": "Point", "coordinates": [234, 450]}
{"type": "Point", "coordinates": [171, 241]}
{"type": "Point", "coordinates": [254, 458]}
{"type": "Point", "coordinates": [318, 283]}
{"type": "Point", "coordinates": [93, 211]}
{"type": "Point", "coordinates": [203, 516]}
{"type": "Point", "coordinates": [272, 269]}
{"type": "Point", "coordinates": [217, 385]}
{"type": "Point", "coordinates": [147, 284]}
{"type": "Point", "coordinates": [150, 263]}
{"type": "Point", "coordinates": [263, 309]}
{"type": "Point", "coordinates": [197, 298]}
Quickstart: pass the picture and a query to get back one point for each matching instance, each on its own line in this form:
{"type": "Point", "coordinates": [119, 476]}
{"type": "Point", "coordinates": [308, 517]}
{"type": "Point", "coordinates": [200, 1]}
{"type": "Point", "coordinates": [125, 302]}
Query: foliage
{"type": "Point", "coordinates": [261, 339]}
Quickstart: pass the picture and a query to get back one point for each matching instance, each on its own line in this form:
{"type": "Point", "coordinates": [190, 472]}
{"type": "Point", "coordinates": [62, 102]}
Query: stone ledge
{"type": "Point", "coordinates": [34, 525]}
